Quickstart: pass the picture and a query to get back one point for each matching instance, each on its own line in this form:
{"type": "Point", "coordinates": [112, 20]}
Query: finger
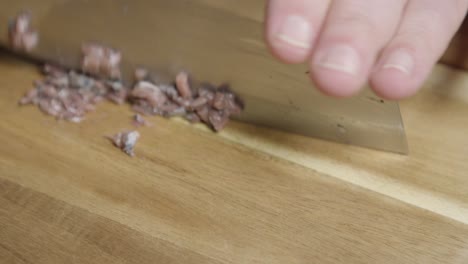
{"type": "Point", "coordinates": [292, 27]}
{"type": "Point", "coordinates": [353, 34]}
{"type": "Point", "coordinates": [425, 32]}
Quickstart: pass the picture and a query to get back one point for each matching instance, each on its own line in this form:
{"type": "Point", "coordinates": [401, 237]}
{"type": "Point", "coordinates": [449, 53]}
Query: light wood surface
{"type": "Point", "coordinates": [247, 195]}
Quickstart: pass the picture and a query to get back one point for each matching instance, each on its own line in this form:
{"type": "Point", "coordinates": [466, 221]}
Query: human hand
{"type": "Point", "coordinates": [392, 44]}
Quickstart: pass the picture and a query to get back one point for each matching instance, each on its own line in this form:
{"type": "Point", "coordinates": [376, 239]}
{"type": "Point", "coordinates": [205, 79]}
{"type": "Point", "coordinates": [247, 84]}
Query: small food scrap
{"type": "Point", "coordinates": [101, 61]}
{"type": "Point", "coordinates": [140, 74]}
{"type": "Point", "coordinates": [138, 121]}
{"type": "Point", "coordinates": [150, 93]}
{"type": "Point", "coordinates": [21, 35]}
{"type": "Point", "coordinates": [126, 141]}
{"type": "Point", "coordinates": [117, 92]}
{"type": "Point", "coordinates": [183, 86]}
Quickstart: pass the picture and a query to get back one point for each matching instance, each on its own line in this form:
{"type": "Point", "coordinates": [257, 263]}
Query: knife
{"type": "Point", "coordinates": [220, 41]}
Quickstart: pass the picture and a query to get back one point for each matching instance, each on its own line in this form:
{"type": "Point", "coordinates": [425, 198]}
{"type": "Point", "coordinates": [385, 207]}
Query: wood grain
{"type": "Point", "coordinates": [247, 195]}
{"type": "Point", "coordinates": [433, 176]}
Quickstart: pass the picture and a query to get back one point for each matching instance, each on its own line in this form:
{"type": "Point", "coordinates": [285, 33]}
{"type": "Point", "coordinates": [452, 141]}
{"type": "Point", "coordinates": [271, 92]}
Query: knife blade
{"type": "Point", "coordinates": [220, 41]}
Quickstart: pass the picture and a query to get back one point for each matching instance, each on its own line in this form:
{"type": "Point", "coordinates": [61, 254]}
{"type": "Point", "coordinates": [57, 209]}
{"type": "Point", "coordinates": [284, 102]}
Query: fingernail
{"type": "Point", "coordinates": [400, 60]}
{"type": "Point", "coordinates": [296, 31]}
{"type": "Point", "coordinates": [341, 58]}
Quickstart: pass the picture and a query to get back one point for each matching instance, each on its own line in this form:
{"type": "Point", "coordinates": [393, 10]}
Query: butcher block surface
{"type": "Point", "coordinates": [245, 195]}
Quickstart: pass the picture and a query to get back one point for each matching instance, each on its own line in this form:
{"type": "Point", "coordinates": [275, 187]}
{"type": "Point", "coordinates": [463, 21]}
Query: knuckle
{"type": "Point", "coordinates": [417, 36]}
{"type": "Point", "coordinates": [424, 30]}
{"type": "Point", "coordinates": [359, 23]}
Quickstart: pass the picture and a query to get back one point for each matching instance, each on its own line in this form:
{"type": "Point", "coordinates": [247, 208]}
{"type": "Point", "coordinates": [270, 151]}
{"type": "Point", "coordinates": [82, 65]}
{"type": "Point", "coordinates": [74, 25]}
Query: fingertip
{"type": "Point", "coordinates": [338, 69]}
{"type": "Point", "coordinates": [399, 74]}
{"type": "Point", "coordinates": [394, 84]}
{"type": "Point", "coordinates": [292, 28]}
{"type": "Point", "coordinates": [291, 39]}
{"type": "Point", "coordinates": [334, 84]}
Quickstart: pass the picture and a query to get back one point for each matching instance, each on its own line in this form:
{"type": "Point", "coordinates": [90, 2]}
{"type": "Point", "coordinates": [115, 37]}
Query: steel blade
{"type": "Point", "coordinates": [220, 41]}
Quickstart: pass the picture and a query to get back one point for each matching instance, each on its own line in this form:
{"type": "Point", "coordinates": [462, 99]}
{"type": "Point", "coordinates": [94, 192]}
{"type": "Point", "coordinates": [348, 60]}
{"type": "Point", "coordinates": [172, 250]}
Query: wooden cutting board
{"type": "Point", "coordinates": [247, 195]}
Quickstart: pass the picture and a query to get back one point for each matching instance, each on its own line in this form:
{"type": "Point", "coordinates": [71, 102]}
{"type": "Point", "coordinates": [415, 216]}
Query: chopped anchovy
{"type": "Point", "coordinates": [183, 86]}
{"type": "Point", "coordinates": [126, 141]}
{"type": "Point", "coordinates": [101, 61]}
{"type": "Point", "coordinates": [138, 120]}
{"type": "Point", "coordinates": [65, 95]}
{"type": "Point", "coordinates": [149, 92]}
{"type": "Point", "coordinates": [141, 74]}
{"type": "Point", "coordinates": [21, 35]}
{"type": "Point", "coordinates": [69, 95]}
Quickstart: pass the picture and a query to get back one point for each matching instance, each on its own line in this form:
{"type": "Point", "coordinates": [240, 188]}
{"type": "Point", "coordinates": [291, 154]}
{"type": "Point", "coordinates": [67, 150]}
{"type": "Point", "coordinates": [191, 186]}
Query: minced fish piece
{"type": "Point", "coordinates": [21, 35]}
{"type": "Point", "coordinates": [126, 141]}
